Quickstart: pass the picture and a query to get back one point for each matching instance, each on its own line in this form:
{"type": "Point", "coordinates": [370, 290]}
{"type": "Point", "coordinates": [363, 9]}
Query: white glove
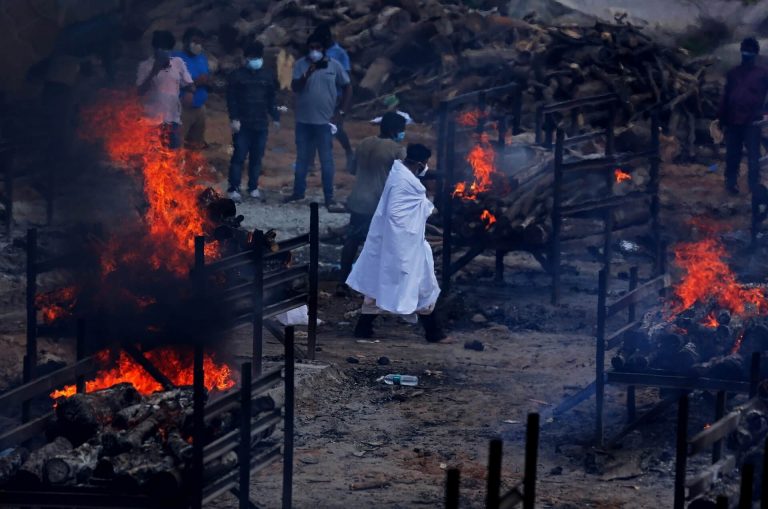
{"type": "Point", "coordinates": [282, 109]}
{"type": "Point", "coordinates": [334, 129]}
{"type": "Point", "coordinates": [235, 125]}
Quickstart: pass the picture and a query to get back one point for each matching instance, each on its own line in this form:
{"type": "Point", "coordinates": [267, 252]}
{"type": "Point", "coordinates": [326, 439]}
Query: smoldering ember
{"type": "Point", "coordinates": [383, 253]}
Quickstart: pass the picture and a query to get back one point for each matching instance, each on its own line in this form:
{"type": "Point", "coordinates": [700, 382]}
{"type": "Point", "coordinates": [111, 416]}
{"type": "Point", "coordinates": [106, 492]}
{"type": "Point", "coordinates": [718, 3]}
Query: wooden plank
{"type": "Point", "coordinates": [639, 294]}
{"type": "Point", "coordinates": [718, 430]}
{"type": "Point", "coordinates": [231, 399]}
{"type": "Point", "coordinates": [676, 382]}
{"type": "Point", "coordinates": [49, 383]}
{"type": "Point", "coordinates": [575, 399]}
{"type": "Point", "coordinates": [286, 275]}
{"type": "Point", "coordinates": [512, 498]}
{"type": "Point", "coordinates": [605, 203]}
{"type": "Point", "coordinates": [704, 481]}
{"type": "Point", "coordinates": [581, 102]}
{"type": "Point", "coordinates": [613, 340]}
{"type": "Point", "coordinates": [28, 430]}
{"type": "Point", "coordinates": [288, 245]}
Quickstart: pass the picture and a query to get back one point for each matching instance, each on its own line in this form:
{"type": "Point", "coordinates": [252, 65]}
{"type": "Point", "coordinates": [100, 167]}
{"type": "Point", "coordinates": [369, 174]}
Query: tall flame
{"type": "Point", "coordinates": [707, 278]}
{"type": "Point", "coordinates": [56, 304]}
{"type": "Point", "coordinates": [173, 216]}
{"type": "Point", "coordinates": [482, 159]}
{"type": "Point", "coordinates": [175, 364]}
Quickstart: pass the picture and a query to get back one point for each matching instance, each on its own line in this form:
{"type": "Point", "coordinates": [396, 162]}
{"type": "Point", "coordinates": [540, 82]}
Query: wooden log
{"type": "Point", "coordinates": [74, 467]}
{"type": "Point", "coordinates": [31, 472]}
{"type": "Point", "coordinates": [81, 416]}
{"type": "Point", "coordinates": [134, 438]}
{"type": "Point", "coordinates": [179, 448]}
{"type": "Point", "coordinates": [11, 462]}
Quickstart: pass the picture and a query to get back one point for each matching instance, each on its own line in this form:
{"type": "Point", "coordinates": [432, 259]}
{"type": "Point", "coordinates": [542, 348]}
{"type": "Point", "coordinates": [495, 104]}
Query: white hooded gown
{"type": "Point", "coordinates": [396, 268]}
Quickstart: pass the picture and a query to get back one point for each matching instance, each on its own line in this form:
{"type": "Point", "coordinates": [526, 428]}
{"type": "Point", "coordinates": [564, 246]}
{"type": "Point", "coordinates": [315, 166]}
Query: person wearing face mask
{"type": "Point", "coordinates": [315, 78]}
{"type": "Point", "coordinates": [159, 79]}
{"type": "Point", "coordinates": [396, 271]}
{"type": "Point", "coordinates": [193, 115]}
{"type": "Point", "coordinates": [250, 101]}
{"type": "Point", "coordinates": [373, 160]}
{"type": "Point", "coordinates": [742, 104]}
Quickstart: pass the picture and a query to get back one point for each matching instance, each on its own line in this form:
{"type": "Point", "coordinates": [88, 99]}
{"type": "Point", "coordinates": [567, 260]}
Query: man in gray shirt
{"type": "Point", "coordinates": [315, 81]}
{"type": "Point", "coordinates": [373, 160]}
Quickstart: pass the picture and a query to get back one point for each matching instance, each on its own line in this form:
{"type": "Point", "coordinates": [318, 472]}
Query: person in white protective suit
{"type": "Point", "coordinates": [395, 271]}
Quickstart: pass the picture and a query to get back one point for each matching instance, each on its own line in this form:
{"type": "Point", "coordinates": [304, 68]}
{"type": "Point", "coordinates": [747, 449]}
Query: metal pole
{"type": "Point", "coordinates": [199, 427]}
{"type": "Point", "coordinates": [453, 478]}
{"type": "Point", "coordinates": [554, 258]}
{"type": "Point", "coordinates": [631, 316]}
{"type": "Point", "coordinates": [31, 354]}
{"type": "Point", "coordinates": [448, 183]}
{"type": "Point", "coordinates": [602, 292]}
{"type": "Point", "coordinates": [494, 474]}
{"type": "Point", "coordinates": [80, 352]}
{"type": "Point", "coordinates": [257, 321]}
{"type": "Point", "coordinates": [289, 418]}
{"type": "Point", "coordinates": [609, 135]}
{"type": "Point", "coordinates": [717, 448]}
{"type": "Point", "coordinates": [531, 460]}
{"type": "Point", "coordinates": [314, 263]}
{"type": "Point", "coordinates": [681, 457]}
{"type": "Point", "coordinates": [539, 124]}
{"type": "Point", "coordinates": [244, 459]}
{"type": "Point", "coordinates": [745, 491]}
{"type": "Point", "coordinates": [198, 386]}
{"type": "Point", "coordinates": [722, 502]}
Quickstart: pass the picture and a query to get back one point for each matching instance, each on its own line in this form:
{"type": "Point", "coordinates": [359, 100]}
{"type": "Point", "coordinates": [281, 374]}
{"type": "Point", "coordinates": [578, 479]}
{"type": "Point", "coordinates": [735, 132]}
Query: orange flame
{"type": "Point", "coordinates": [470, 118]}
{"type": "Point", "coordinates": [173, 363]}
{"type": "Point", "coordinates": [56, 304]}
{"type": "Point", "coordinates": [173, 216]}
{"type": "Point", "coordinates": [487, 218]}
{"type": "Point", "coordinates": [482, 159]}
{"type": "Point", "coordinates": [707, 278]}
{"type": "Point", "coordinates": [738, 342]}
{"type": "Point", "coordinates": [621, 175]}
{"type": "Point", "coordinates": [710, 321]}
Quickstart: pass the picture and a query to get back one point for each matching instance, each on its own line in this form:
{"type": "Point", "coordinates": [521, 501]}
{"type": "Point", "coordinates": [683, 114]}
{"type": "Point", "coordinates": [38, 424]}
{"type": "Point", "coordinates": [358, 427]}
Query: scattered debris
{"type": "Point", "coordinates": [478, 318]}
{"type": "Point", "coordinates": [383, 361]}
{"type": "Point", "coordinates": [353, 360]}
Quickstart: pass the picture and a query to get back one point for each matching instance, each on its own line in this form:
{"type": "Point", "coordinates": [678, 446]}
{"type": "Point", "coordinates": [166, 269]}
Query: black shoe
{"type": "Point", "coordinates": [293, 197]}
{"type": "Point", "coordinates": [732, 189]}
{"type": "Point", "coordinates": [342, 290]}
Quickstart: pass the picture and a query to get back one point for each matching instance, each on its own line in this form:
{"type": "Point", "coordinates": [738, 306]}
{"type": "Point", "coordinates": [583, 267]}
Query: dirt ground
{"type": "Point", "coordinates": [352, 429]}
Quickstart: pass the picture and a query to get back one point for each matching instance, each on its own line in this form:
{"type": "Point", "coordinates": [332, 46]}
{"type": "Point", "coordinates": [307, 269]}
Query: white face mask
{"type": "Point", "coordinates": [255, 63]}
{"type": "Point", "coordinates": [195, 48]}
{"type": "Point", "coordinates": [424, 171]}
{"type": "Point", "coordinates": [315, 55]}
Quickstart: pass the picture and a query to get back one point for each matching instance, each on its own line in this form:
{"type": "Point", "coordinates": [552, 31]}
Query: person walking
{"type": "Point", "coordinates": [315, 81]}
{"type": "Point", "coordinates": [396, 271]}
{"type": "Point", "coordinates": [374, 158]}
{"type": "Point", "coordinates": [193, 115]}
{"type": "Point", "coordinates": [250, 100]}
{"type": "Point", "coordinates": [160, 79]}
{"type": "Point", "coordinates": [742, 104]}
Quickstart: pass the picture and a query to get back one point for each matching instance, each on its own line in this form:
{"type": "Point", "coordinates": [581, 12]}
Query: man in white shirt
{"type": "Point", "coordinates": [160, 78]}
{"type": "Point", "coordinates": [396, 271]}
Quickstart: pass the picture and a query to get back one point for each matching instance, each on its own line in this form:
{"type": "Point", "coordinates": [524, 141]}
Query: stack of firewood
{"type": "Point", "coordinates": [119, 438]}
{"type": "Point", "coordinates": [414, 53]}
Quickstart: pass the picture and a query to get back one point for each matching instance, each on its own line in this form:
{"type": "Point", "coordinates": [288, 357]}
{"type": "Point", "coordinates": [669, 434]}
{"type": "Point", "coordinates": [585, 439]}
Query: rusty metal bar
{"type": "Point", "coordinates": [494, 474]}
{"type": "Point", "coordinates": [554, 257]}
{"type": "Point", "coordinates": [531, 461]}
{"type": "Point", "coordinates": [600, 355]}
{"type": "Point", "coordinates": [290, 368]}
{"type": "Point", "coordinates": [244, 455]}
{"type": "Point", "coordinates": [717, 448]}
{"type": "Point", "coordinates": [453, 478]}
{"type": "Point", "coordinates": [30, 361]}
{"type": "Point", "coordinates": [257, 308]}
{"type": "Point", "coordinates": [639, 294]}
{"type": "Point", "coordinates": [681, 456]}
{"type": "Point", "coordinates": [314, 263]}
{"type": "Point", "coordinates": [80, 353]}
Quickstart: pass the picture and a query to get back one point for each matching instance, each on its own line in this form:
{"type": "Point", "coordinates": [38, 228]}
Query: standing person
{"type": "Point", "coordinates": [373, 160]}
{"type": "Point", "coordinates": [159, 79]}
{"type": "Point", "coordinates": [396, 272]}
{"type": "Point", "coordinates": [250, 100]}
{"type": "Point", "coordinates": [193, 115]}
{"type": "Point", "coordinates": [315, 78]}
{"type": "Point", "coordinates": [336, 52]}
{"type": "Point", "coordinates": [742, 104]}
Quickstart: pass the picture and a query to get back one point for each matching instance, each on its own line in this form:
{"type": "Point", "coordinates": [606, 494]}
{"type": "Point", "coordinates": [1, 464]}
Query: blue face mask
{"type": "Point", "coordinates": [255, 63]}
{"type": "Point", "coordinates": [400, 136]}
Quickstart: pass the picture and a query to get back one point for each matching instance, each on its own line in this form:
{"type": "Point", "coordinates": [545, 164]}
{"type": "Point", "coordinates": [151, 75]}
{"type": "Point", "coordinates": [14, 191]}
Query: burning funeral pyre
{"type": "Point", "coordinates": [709, 327]}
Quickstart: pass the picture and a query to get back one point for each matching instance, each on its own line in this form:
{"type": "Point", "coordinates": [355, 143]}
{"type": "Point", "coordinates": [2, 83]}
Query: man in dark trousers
{"type": "Point", "coordinates": [315, 81]}
{"type": "Point", "coordinates": [250, 100]}
{"type": "Point", "coordinates": [373, 160]}
{"type": "Point", "coordinates": [742, 104]}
